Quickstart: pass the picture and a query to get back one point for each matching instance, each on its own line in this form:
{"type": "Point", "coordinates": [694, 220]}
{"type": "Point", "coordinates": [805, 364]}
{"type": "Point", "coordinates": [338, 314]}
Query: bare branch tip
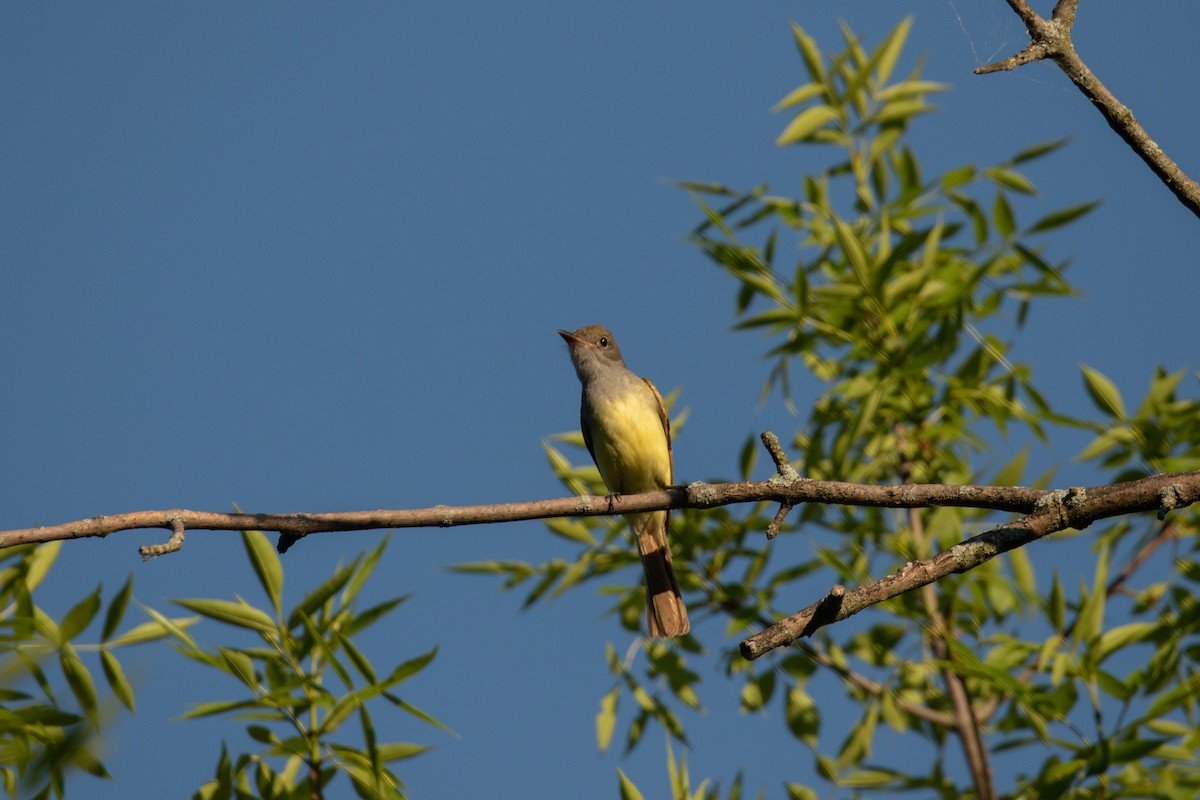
{"type": "Point", "coordinates": [1035, 51]}
{"type": "Point", "coordinates": [1064, 12]}
{"type": "Point", "coordinates": [783, 466]}
{"type": "Point", "coordinates": [747, 649]}
{"type": "Point", "coordinates": [777, 522]}
{"type": "Point", "coordinates": [172, 545]}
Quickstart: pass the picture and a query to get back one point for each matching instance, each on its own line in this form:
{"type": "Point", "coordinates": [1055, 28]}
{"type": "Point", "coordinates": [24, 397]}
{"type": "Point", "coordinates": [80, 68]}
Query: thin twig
{"type": "Point", "coordinates": [784, 473]}
{"type": "Point", "coordinates": [783, 465]}
{"type": "Point", "coordinates": [966, 725]}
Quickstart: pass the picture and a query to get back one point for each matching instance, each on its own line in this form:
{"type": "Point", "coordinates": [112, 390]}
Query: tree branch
{"type": "Point", "coordinates": [695, 495]}
{"type": "Point", "coordinates": [1052, 39]}
{"type": "Point", "coordinates": [1072, 508]}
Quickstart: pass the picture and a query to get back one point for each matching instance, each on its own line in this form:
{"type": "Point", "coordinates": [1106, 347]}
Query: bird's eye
{"type": "Point", "coordinates": [604, 341]}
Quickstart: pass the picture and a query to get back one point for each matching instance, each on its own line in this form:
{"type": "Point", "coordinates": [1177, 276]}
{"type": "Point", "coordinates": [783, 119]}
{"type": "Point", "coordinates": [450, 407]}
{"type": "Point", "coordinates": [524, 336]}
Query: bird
{"type": "Point", "coordinates": [628, 435]}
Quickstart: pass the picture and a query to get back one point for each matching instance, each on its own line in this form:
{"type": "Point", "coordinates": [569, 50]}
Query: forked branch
{"type": "Point", "coordinates": [1051, 38]}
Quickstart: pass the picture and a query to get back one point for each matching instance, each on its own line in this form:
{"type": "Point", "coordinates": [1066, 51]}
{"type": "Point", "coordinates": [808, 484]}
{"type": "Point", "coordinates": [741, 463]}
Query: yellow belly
{"type": "Point", "coordinates": [630, 444]}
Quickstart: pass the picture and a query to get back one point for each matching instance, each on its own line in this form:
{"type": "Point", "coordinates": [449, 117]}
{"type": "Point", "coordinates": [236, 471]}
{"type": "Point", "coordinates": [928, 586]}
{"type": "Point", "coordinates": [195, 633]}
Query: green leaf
{"type": "Point", "coordinates": [1037, 151]}
{"type": "Point", "coordinates": [218, 707]}
{"type": "Point", "coordinates": [606, 718]}
{"type": "Point", "coordinates": [360, 661]}
{"type": "Point", "coordinates": [1113, 686]}
{"type": "Point", "coordinates": [80, 681]}
{"type": "Point", "coordinates": [325, 651]}
{"type": "Point", "coordinates": [371, 747]}
{"type": "Point", "coordinates": [1103, 392]}
{"type": "Point", "coordinates": [363, 570]}
{"type": "Point", "coordinates": [957, 177]}
{"type": "Point", "coordinates": [38, 563]}
{"type": "Point", "coordinates": [798, 791]}
{"type": "Point", "coordinates": [1182, 693]}
{"type": "Point", "coordinates": [810, 53]}
{"type": "Point", "coordinates": [1022, 570]}
{"type": "Point", "coordinates": [267, 567]}
{"type": "Point", "coordinates": [628, 790]}
{"type": "Point", "coordinates": [46, 626]}
{"type": "Point", "coordinates": [852, 246]}
{"type": "Point", "coordinates": [915, 88]}
{"type": "Point", "coordinates": [1011, 473]}
{"type": "Point", "coordinates": [1010, 179]}
{"type": "Point", "coordinates": [364, 619]}
{"type": "Point", "coordinates": [1090, 622]}
{"type": "Point", "coordinates": [868, 778]}
{"type": "Point", "coordinates": [317, 598]}
{"type": "Point", "coordinates": [418, 713]}
{"type": "Point", "coordinates": [153, 631]}
{"type": "Point", "coordinates": [890, 49]}
{"type": "Point", "coordinates": [240, 614]}
{"type": "Point", "coordinates": [901, 111]}
{"type": "Point", "coordinates": [803, 717]}
{"type": "Point", "coordinates": [83, 758]}
{"type": "Point", "coordinates": [1061, 217]}
{"type": "Point", "coordinates": [1131, 751]}
{"type": "Point", "coordinates": [1116, 437]}
{"type": "Point", "coordinates": [1002, 216]}
{"type": "Point", "coordinates": [398, 751]}
{"type": "Point", "coordinates": [805, 123]}
{"type": "Point", "coordinates": [80, 616]}
{"type": "Point", "coordinates": [801, 94]}
{"type": "Point", "coordinates": [409, 668]}
{"type": "Point", "coordinates": [1123, 636]}
{"type": "Point", "coordinates": [574, 530]}
{"type": "Point", "coordinates": [240, 666]}
{"type": "Point", "coordinates": [116, 609]}
{"type": "Point", "coordinates": [116, 678]}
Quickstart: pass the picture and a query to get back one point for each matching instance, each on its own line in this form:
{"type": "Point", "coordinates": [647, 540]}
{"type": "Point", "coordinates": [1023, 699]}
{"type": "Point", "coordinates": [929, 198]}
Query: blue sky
{"type": "Point", "coordinates": [311, 258]}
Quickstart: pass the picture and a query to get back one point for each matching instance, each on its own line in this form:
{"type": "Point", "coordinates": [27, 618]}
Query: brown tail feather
{"type": "Point", "coordinates": [666, 614]}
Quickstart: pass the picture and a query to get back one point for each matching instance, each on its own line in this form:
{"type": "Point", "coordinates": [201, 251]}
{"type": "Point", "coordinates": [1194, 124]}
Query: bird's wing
{"type": "Point", "coordinates": [666, 423]}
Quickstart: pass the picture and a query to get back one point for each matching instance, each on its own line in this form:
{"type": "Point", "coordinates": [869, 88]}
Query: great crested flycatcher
{"type": "Point", "coordinates": [626, 430]}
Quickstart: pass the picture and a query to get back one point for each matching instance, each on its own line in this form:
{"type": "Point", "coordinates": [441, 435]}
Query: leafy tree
{"type": "Point", "coordinates": [44, 736]}
{"type": "Point", "coordinates": [292, 711]}
{"type": "Point", "coordinates": [900, 295]}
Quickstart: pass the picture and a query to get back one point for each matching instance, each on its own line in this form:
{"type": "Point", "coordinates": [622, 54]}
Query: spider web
{"type": "Point", "coordinates": [993, 32]}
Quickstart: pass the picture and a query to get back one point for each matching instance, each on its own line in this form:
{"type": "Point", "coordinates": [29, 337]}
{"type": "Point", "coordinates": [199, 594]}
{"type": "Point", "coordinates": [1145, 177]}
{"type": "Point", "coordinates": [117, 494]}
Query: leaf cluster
{"type": "Point", "coordinates": [45, 736]}
{"type": "Point", "coordinates": [306, 685]}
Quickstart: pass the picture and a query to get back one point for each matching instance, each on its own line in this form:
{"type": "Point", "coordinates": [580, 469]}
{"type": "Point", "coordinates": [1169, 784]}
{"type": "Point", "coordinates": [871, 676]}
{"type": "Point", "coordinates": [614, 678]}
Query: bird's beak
{"type": "Point", "coordinates": [572, 340]}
